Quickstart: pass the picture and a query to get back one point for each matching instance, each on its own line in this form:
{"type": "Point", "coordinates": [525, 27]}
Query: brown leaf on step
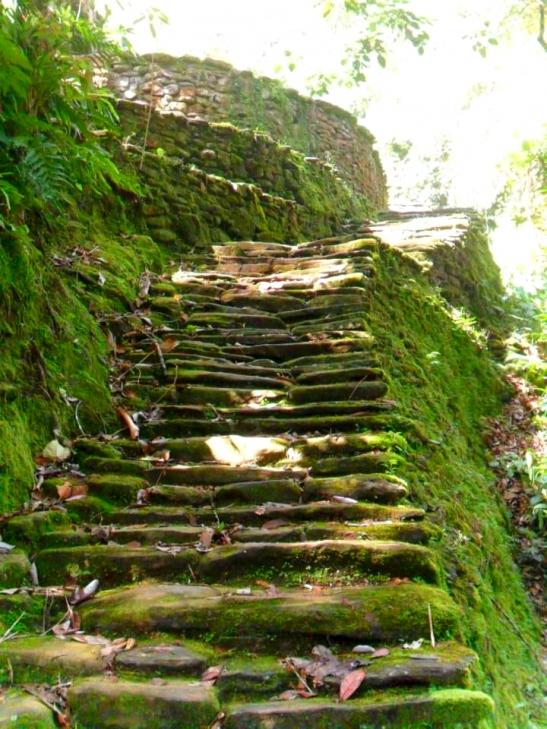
{"type": "Point", "coordinates": [398, 581]}
{"type": "Point", "coordinates": [130, 644]}
{"type": "Point", "coordinates": [172, 549]}
{"type": "Point", "coordinates": [133, 544]}
{"type": "Point", "coordinates": [102, 533]}
{"type": "Point", "coordinates": [351, 682]}
{"type": "Point", "coordinates": [63, 721]}
{"type": "Point", "coordinates": [289, 695]}
{"type": "Point", "coordinates": [218, 721]}
{"type": "Point", "coordinates": [380, 653]}
{"type": "Point", "coordinates": [260, 510]}
{"type": "Point", "coordinates": [212, 673]}
{"type": "Point", "coordinates": [168, 344]}
{"type": "Point", "coordinates": [275, 523]}
{"type": "Point", "coordinates": [81, 594]}
{"type": "Point", "coordinates": [161, 456]}
{"type": "Point", "coordinates": [205, 540]}
{"type": "Point", "coordinates": [64, 490]}
{"type": "Point", "coordinates": [127, 420]}
{"type": "Point", "coordinates": [143, 496]}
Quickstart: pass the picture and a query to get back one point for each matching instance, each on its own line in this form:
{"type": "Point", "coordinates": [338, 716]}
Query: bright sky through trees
{"type": "Point", "coordinates": [478, 110]}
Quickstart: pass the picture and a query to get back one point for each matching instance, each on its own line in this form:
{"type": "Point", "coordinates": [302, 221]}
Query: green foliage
{"type": "Point", "coordinates": [52, 116]}
{"type": "Point", "coordinates": [379, 22]}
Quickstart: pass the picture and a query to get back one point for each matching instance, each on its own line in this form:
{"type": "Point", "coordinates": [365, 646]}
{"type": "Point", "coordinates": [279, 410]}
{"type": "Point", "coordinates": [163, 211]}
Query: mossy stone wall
{"type": "Point", "coordinates": [216, 91]}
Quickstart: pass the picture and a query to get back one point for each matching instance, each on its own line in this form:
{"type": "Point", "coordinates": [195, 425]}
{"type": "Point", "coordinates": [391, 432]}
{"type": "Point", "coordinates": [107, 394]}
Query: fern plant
{"type": "Point", "coordinates": [53, 118]}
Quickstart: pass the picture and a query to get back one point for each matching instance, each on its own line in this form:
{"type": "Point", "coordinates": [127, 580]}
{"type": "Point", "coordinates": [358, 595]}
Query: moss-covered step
{"type": "Point", "coordinates": [443, 708]}
{"type": "Point", "coordinates": [22, 711]}
{"type": "Point", "coordinates": [46, 658]}
{"type": "Point", "coordinates": [326, 307]}
{"type": "Point", "coordinates": [202, 395]}
{"type": "Point", "coordinates": [221, 365]}
{"type": "Point", "coordinates": [347, 444]}
{"type": "Point", "coordinates": [383, 488]}
{"type": "Point", "coordinates": [100, 703]}
{"type": "Point", "coordinates": [413, 532]}
{"type": "Point", "coordinates": [284, 352]}
{"type": "Point", "coordinates": [164, 658]}
{"type": "Point", "coordinates": [262, 424]}
{"type": "Point", "coordinates": [28, 528]}
{"type": "Point", "coordinates": [219, 475]}
{"type": "Point", "coordinates": [448, 664]}
{"type": "Point", "coordinates": [362, 390]}
{"type": "Point", "coordinates": [236, 318]}
{"type": "Point", "coordinates": [374, 613]}
{"type": "Point", "coordinates": [14, 569]}
{"type": "Point", "coordinates": [333, 408]}
{"type": "Point", "coordinates": [231, 449]}
{"type": "Point", "coordinates": [256, 515]}
{"type": "Point", "coordinates": [120, 564]}
{"type": "Point", "coordinates": [339, 374]}
{"type": "Point", "coordinates": [243, 380]}
{"type": "Point", "coordinates": [263, 301]}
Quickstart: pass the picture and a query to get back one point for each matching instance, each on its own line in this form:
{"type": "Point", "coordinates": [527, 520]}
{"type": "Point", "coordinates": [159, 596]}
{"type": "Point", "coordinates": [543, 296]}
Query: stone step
{"type": "Point", "coordinates": [216, 365]}
{"type": "Point", "coordinates": [292, 411]}
{"type": "Point", "coordinates": [262, 424]}
{"type": "Point", "coordinates": [106, 703]}
{"type": "Point", "coordinates": [221, 319]}
{"type": "Point", "coordinates": [385, 613]}
{"type": "Point", "coordinates": [73, 656]}
{"type": "Point", "coordinates": [218, 378]}
{"type": "Point", "coordinates": [289, 351]}
{"type": "Point", "coordinates": [245, 336]}
{"type": "Point", "coordinates": [258, 514]}
{"type": "Point", "coordinates": [339, 374]}
{"type": "Point", "coordinates": [361, 390]}
{"type": "Point", "coordinates": [22, 711]}
{"type": "Point", "coordinates": [284, 531]}
{"type": "Point", "coordinates": [118, 564]}
{"type": "Point", "coordinates": [443, 708]}
{"type": "Point", "coordinates": [200, 394]}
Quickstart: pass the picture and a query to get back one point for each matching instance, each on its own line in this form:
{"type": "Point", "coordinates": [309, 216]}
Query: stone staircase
{"type": "Point", "coordinates": [254, 522]}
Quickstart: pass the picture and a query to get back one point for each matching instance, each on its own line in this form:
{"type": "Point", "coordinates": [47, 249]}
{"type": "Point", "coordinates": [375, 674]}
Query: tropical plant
{"type": "Point", "coordinates": [53, 117]}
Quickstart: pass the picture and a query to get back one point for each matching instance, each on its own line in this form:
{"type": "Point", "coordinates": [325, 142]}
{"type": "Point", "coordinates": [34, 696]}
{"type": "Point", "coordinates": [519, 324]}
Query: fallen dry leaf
{"type": "Point", "coordinates": [380, 653]}
{"type": "Point", "coordinates": [351, 682]}
{"type": "Point", "coordinates": [127, 420]}
{"type": "Point", "coordinates": [55, 452]}
{"type": "Point", "coordinates": [212, 674]}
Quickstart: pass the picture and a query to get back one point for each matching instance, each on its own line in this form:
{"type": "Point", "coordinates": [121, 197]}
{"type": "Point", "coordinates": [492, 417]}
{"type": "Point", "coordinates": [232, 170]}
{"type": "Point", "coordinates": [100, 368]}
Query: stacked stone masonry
{"type": "Point", "coordinates": [217, 92]}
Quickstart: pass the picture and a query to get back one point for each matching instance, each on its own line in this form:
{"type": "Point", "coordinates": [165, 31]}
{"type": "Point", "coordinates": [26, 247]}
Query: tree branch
{"type": "Point", "coordinates": [541, 35]}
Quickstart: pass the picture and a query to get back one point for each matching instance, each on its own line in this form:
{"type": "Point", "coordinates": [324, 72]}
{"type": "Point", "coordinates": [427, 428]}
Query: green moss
{"type": "Point", "coordinates": [27, 529]}
{"type": "Point", "coordinates": [442, 379]}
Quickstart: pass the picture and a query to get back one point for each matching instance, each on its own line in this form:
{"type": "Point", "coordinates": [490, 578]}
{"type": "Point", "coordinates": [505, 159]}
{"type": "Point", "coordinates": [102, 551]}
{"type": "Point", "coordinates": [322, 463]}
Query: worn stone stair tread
{"type": "Point", "coordinates": [374, 613]}
{"type": "Point", "coordinates": [219, 475]}
{"type": "Point", "coordinates": [262, 424]}
{"type": "Point", "coordinates": [284, 352]}
{"type": "Point", "coordinates": [414, 532]}
{"type": "Point", "coordinates": [119, 564]}
{"type": "Point", "coordinates": [443, 708]}
{"type": "Point", "coordinates": [218, 378]}
{"type": "Point", "coordinates": [365, 487]}
{"type": "Point", "coordinates": [447, 664]}
{"type": "Point", "coordinates": [22, 711]}
{"type": "Point", "coordinates": [367, 390]}
{"type": "Point", "coordinates": [321, 377]}
{"type": "Point", "coordinates": [199, 394]}
{"type": "Point", "coordinates": [336, 407]}
{"type": "Point", "coordinates": [163, 658]}
{"type": "Point", "coordinates": [51, 657]}
{"type": "Point", "coordinates": [222, 365]}
{"type": "Point", "coordinates": [247, 515]}
{"type": "Point", "coordinates": [14, 569]}
{"type": "Point", "coordinates": [254, 320]}
{"type": "Point", "coordinates": [102, 703]}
